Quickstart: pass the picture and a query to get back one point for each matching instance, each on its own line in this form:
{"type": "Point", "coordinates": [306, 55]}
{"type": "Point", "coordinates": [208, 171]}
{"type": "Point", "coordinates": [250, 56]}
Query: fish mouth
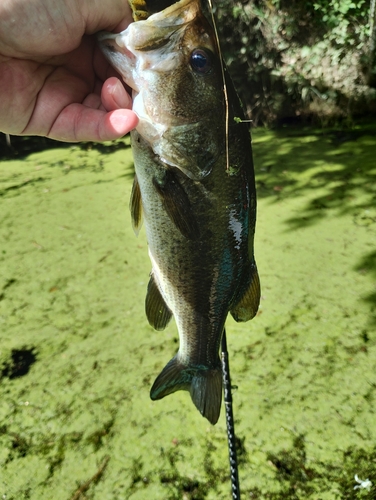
{"type": "Point", "coordinates": [149, 45]}
{"type": "Point", "coordinates": [115, 50]}
{"type": "Point", "coordinates": [153, 32]}
{"type": "Point", "coordinates": [154, 54]}
{"type": "Point", "coordinates": [179, 12]}
{"type": "Point", "coordinates": [153, 36]}
{"type": "Point", "coordinates": [160, 28]}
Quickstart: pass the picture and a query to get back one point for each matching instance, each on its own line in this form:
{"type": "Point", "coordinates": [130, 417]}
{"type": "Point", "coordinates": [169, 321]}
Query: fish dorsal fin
{"type": "Point", "coordinates": [135, 206]}
{"type": "Point", "coordinates": [246, 308]}
{"type": "Point", "coordinates": [177, 205]}
{"type": "Point", "coordinates": [157, 311]}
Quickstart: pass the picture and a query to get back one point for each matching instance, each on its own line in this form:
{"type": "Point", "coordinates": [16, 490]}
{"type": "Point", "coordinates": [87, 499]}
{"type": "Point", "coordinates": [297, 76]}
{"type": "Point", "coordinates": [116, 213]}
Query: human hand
{"type": "Point", "coordinates": [54, 80]}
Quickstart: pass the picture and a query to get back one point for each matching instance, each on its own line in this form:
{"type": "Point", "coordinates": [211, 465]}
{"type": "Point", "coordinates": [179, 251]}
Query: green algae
{"type": "Point", "coordinates": [77, 356]}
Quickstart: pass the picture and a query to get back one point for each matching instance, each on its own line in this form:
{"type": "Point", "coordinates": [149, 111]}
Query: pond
{"type": "Point", "coordinates": [77, 356]}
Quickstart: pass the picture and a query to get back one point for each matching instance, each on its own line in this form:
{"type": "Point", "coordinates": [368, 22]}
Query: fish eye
{"type": "Point", "coordinates": [201, 61]}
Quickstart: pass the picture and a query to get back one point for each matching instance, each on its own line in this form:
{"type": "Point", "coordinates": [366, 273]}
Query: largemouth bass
{"type": "Point", "coordinates": [198, 204]}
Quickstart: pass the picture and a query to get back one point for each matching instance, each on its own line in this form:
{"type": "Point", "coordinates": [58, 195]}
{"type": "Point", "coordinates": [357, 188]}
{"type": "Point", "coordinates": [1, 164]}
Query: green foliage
{"type": "Point", "coordinates": [293, 58]}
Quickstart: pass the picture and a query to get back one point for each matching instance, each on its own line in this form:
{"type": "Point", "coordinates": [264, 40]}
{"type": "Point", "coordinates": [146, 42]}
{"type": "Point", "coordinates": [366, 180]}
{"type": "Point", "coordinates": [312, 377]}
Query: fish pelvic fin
{"type": "Point", "coordinates": [204, 385]}
{"type": "Point", "coordinates": [135, 206]}
{"type": "Point", "coordinates": [247, 307]}
{"type": "Point", "coordinates": [157, 311]}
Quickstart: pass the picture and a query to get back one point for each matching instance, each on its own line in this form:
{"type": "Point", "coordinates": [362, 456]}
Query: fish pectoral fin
{"type": "Point", "coordinates": [203, 384]}
{"type": "Point", "coordinates": [177, 205]}
{"type": "Point", "coordinates": [157, 311]}
{"type": "Point", "coordinates": [247, 307]}
{"type": "Point", "coordinates": [135, 206]}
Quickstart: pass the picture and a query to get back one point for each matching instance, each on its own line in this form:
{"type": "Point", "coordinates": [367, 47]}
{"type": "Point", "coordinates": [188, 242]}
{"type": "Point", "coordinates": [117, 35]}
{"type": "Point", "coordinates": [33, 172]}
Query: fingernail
{"type": "Point", "coordinates": [122, 121]}
{"type": "Point", "coordinates": [120, 95]}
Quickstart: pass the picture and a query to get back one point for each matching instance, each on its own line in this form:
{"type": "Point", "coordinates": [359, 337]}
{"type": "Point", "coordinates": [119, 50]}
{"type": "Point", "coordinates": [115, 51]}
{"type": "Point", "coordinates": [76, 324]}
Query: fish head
{"type": "Point", "coordinates": [171, 62]}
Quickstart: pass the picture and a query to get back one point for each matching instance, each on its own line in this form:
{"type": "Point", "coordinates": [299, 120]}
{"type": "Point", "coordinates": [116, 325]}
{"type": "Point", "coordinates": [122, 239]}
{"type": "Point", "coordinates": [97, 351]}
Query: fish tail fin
{"type": "Point", "coordinates": [203, 384]}
{"type": "Point", "coordinates": [206, 393]}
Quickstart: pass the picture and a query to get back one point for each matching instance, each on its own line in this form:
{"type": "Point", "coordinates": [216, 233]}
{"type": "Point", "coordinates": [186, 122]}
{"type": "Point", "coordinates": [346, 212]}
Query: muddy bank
{"type": "Point", "coordinates": [78, 356]}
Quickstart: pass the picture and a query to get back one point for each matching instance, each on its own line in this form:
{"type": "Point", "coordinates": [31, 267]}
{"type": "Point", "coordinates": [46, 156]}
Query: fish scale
{"type": "Point", "coordinates": [199, 210]}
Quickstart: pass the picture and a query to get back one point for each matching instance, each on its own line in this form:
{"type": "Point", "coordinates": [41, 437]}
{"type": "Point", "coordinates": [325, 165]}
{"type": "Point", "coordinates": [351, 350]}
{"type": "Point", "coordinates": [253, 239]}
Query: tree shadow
{"type": "Point", "coordinates": [333, 172]}
{"type": "Point", "coordinates": [334, 169]}
{"type": "Point", "coordinates": [367, 265]}
{"type": "Point", "coordinates": [21, 146]}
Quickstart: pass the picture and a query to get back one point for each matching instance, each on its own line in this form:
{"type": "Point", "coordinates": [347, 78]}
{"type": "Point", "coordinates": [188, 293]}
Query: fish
{"type": "Point", "coordinates": [194, 190]}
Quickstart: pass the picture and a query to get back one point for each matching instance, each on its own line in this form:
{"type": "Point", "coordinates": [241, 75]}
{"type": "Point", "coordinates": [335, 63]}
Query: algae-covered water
{"type": "Point", "coordinates": [77, 356]}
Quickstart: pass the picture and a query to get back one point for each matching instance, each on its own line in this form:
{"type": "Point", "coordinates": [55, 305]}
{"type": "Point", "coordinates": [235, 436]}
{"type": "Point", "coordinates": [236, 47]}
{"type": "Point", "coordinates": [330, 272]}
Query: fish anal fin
{"type": "Point", "coordinates": [177, 205]}
{"type": "Point", "coordinates": [247, 307]}
{"type": "Point", "coordinates": [135, 206]}
{"type": "Point", "coordinates": [157, 311]}
{"type": "Point", "coordinates": [204, 385]}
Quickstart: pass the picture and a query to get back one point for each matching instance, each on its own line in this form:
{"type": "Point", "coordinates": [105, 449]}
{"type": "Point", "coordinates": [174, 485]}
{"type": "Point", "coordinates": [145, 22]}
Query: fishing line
{"type": "Point", "coordinates": [224, 84]}
{"type": "Point", "coordinates": [230, 424]}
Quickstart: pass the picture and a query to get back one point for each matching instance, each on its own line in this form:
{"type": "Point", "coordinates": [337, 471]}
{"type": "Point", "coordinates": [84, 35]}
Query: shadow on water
{"type": "Point", "coordinates": [332, 171]}
{"type": "Point", "coordinates": [22, 146]}
{"type": "Point", "coordinates": [367, 265]}
{"type": "Point", "coordinates": [335, 169]}
{"type": "Point", "coordinates": [19, 363]}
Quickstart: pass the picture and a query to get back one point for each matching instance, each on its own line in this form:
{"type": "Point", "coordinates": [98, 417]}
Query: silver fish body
{"type": "Point", "coordinates": [199, 208]}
